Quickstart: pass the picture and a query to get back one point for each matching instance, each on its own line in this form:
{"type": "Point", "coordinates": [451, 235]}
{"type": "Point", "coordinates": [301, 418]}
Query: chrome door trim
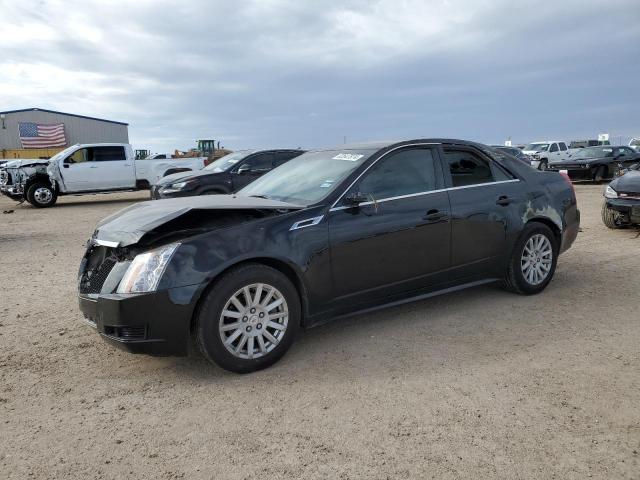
{"type": "Point", "coordinates": [388, 199]}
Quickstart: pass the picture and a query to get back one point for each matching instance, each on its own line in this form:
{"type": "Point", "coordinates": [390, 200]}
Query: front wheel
{"type": "Point", "coordinates": [249, 318]}
{"type": "Point", "coordinates": [41, 195]}
{"type": "Point", "coordinates": [533, 261]}
{"type": "Point", "coordinates": [610, 217]}
{"type": "Point", "coordinates": [543, 165]}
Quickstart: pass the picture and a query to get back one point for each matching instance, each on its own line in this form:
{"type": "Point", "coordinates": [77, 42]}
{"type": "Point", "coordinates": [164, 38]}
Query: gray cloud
{"type": "Point", "coordinates": [290, 73]}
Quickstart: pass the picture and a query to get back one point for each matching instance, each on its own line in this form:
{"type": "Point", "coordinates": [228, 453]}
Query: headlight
{"type": "Point", "coordinates": [610, 192]}
{"type": "Point", "coordinates": [144, 273]}
{"type": "Point", "coordinates": [175, 187]}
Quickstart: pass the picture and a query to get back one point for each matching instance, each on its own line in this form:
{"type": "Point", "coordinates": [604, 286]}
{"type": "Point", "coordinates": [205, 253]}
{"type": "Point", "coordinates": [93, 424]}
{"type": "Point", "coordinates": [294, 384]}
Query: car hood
{"type": "Point", "coordinates": [629, 182]}
{"type": "Point", "coordinates": [585, 159]}
{"type": "Point", "coordinates": [25, 163]}
{"type": "Point", "coordinates": [129, 225]}
{"type": "Point", "coordinates": [184, 176]}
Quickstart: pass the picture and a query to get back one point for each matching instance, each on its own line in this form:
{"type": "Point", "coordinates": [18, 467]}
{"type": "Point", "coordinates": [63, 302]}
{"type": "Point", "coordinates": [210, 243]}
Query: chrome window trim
{"type": "Point", "coordinates": [307, 222]}
{"type": "Point", "coordinates": [388, 199]}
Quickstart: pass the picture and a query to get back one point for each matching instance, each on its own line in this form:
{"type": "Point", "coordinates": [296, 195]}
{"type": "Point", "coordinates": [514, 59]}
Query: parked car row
{"type": "Point", "coordinates": [89, 168]}
{"type": "Point", "coordinates": [328, 233]}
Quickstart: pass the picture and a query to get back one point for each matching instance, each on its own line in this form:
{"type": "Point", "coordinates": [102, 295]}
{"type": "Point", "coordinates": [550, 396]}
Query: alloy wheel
{"type": "Point", "coordinates": [253, 321]}
{"type": "Point", "coordinates": [536, 259]}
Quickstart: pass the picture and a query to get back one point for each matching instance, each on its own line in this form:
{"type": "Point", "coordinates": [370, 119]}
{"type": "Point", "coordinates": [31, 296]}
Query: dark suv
{"type": "Point", "coordinates": [226, 175]}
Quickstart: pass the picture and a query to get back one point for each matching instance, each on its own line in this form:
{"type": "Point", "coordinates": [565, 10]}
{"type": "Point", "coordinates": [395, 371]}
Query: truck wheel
{"type": "Point", "coordinates": [41, 195]}
{"type": "Point", "coordinates": [610, 217]}
{"type": "Point", "coordinates": [601, 173]}
{"type": "Point", "coordinates": [544, 165]}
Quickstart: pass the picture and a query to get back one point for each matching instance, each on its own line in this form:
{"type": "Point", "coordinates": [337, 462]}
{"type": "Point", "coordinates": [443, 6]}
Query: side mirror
{"type": "Point", "coordinates": [356, 198]}
{"type": "Point", "coordinates": [244, 169]}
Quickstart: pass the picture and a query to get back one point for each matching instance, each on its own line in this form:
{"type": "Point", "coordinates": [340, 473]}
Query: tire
{"type": "Point", "coordinates": [41, 195]}
{"type": "Point", "coordinates": [516, 280]}
{"type": "Point", "coordinates": [543, 165]}
{"type": "Point", "coordinates": [601, 173]}
{"type": "Point", "coordinates": [610, 217]}
{"type": "Point", "coordinates": [251, 320]}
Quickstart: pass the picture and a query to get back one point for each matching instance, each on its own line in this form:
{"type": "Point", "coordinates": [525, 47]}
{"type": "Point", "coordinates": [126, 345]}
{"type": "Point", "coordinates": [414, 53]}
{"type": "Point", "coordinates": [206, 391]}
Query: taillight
{"type": "Point", "coordinates": [565, 175]}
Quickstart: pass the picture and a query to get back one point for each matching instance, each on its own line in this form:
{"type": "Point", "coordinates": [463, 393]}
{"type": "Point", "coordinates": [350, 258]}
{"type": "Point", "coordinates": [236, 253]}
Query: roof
{"type": "Point", "coordinates": [62, 113]}
{"type": "Point", "coordinates": [378, 145]}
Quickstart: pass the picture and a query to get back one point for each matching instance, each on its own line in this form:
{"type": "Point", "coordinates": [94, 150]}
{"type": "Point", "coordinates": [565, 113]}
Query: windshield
{"type": "Point", "coordinates": [635, 142]}
{"type": "Point", "coordinates": [228, 161]}
{"type": "Point", "coordinates": [309, 178]}
{"type": "Point", "coordinates": [537, 147]}
{"type": "Point", "coordinates": [594, 152]}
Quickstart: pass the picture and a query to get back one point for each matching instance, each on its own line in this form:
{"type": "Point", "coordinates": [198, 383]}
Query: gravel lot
{"type": "Point", "coordinates": [476, 384]}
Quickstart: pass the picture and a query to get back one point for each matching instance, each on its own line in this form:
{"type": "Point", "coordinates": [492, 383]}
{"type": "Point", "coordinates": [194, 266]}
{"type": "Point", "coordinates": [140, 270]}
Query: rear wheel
{"type": "Point", "coordinates": [41, 195]}
{"type": "Point", "coordinates": [610, 218]}
{"type": "Point", "coordinates": [533, 261]}
{"type": "Point", "coordinates": [249, 318]}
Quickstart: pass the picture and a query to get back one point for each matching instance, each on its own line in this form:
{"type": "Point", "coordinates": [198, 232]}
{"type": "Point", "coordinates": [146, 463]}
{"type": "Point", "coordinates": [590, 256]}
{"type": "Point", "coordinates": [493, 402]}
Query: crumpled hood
{"type": "Point", "coordinates": [129, 225]}
{"type": "Point", "coordinates": [182, 176]}
{"type": "Point", "coordinates": [25, 162]}
{"type": "Point", "coordinates": [629, 182]}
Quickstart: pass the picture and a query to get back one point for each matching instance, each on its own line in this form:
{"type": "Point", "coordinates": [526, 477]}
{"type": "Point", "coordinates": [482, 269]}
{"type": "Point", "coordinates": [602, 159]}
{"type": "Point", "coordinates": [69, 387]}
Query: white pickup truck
{"type": "Point", "coordinates": [546, 152]}
{"type": "Point", "coordinates": [88, 168]}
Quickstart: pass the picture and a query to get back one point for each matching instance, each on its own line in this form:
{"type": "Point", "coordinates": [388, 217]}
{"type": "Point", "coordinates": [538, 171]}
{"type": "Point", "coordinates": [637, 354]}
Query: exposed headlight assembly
{"type": "Point", "coordinates": [145, 272]}
{"type": "Point", "coordinates": [176, 187]}
{"type": "Point", "coordinates": [610, 192]}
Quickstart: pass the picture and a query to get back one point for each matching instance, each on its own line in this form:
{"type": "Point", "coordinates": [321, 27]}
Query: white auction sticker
{"type": "Point", "coordinates": [351, 157]}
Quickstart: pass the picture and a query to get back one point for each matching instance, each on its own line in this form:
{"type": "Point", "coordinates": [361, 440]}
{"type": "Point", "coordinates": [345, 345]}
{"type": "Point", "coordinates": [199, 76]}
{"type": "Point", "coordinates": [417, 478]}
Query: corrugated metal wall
{"type": "Point", "coordinates": [77, 130]}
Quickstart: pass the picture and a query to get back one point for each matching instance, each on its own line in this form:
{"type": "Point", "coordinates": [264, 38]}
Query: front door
{"type": "Point", "coordinates": [398, 240]}
{"type": "Point", "coordinates": [79, 170]}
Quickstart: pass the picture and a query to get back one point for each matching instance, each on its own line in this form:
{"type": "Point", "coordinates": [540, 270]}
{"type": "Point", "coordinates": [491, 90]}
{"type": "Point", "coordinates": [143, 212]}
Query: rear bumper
{"type": "Point", "coordinates": [571, 229]}
{"type": "Point", "coordinates": [575, 172]}
{"type": "Point", "coordinates": [156, 323]}
{"type": "Point", "coordinates": [630, 208]}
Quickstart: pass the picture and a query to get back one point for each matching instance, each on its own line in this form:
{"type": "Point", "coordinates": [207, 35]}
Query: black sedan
{"type": "Point", "coordinates": [330, 233]}
{"type": "Point", "coordinates": [621, 207]}
{"type": "Point", "coordinates": [226, 175]}
{"type": "Point", "coordinates": [596, 163]}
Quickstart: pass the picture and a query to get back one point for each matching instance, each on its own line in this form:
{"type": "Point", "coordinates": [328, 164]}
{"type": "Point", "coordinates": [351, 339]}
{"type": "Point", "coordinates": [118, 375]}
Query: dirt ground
{"type": "Point", "coordinates": [476, 384]}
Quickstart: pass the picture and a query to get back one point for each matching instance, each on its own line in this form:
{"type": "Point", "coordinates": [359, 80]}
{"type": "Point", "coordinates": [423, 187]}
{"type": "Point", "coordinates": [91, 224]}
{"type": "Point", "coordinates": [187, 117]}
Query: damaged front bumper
{"type": "Point", "coordinates": [628, 208]}
{"type": "Point", "coordinates": [155, 323]}
{"type": "Point", "coordinates": [15, 192]}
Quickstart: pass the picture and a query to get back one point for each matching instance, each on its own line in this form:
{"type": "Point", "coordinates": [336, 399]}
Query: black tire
{"type": "Point", "coordinates": [208, 335]}
{"type": "Point", "coordinates": [543, 165]}
{"type": "Point", "coordinates": [41, 195]}
{"type": "Point", "coordinates": [610, 217]}
{"type": "Point", "coordinates": [515, 280]}
{"type": "Point", "coordinates": [600, 173]}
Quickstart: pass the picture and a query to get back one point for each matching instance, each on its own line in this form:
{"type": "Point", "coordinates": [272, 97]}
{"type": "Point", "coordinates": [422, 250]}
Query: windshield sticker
{"type": "Point", "coordinates": [350, 157]}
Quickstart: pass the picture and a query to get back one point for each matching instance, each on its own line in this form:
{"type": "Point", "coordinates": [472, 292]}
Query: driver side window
{"type": "Point", "coordinates": [260, 163]}
{"type": "Point", "coordinates": [402, 173]}
{"type": "Point", "coordinates": [79, 156]}
{"type": "Point", "coordinates": [554, 147]}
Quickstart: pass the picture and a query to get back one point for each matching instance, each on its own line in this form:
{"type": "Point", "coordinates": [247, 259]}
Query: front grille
{"type": "Point", "coordinates": [98, 265]}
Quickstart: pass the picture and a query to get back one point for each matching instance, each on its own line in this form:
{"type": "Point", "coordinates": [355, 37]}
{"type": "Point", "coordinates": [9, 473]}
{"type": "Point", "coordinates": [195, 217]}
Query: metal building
{"type": "Point", "coordinates": [77, 129]}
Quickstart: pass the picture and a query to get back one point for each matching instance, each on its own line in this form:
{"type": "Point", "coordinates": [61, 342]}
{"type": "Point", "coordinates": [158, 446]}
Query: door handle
{"type": "Point", "coordinates": [127, 164]}
{"type": "Point", "coordinates": [93, 166]}
{"type": "Point", "coordinates": [65, 165]}
{"type": "Point", "coordinates": [435, 216]}
{"type": "Point", "coordinates": [504, 200]}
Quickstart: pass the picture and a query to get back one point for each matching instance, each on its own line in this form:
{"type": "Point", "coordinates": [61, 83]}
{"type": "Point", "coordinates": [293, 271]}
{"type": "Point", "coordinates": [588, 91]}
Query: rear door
{"type": "Point", "coordinates": [115, 170]}
{"type": "Point", "coordinates": [251, 168]}
{"type": "Point", "coordinates": [485, 201]}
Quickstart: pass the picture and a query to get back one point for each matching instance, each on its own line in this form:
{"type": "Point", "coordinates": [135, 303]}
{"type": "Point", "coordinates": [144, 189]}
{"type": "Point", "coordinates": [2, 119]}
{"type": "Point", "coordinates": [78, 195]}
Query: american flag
{"type": "Point", "coordinates": [36, 135]}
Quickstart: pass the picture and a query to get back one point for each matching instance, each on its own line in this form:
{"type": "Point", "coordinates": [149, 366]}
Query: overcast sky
{"type": "Point", "coordinates": [289, 73]}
